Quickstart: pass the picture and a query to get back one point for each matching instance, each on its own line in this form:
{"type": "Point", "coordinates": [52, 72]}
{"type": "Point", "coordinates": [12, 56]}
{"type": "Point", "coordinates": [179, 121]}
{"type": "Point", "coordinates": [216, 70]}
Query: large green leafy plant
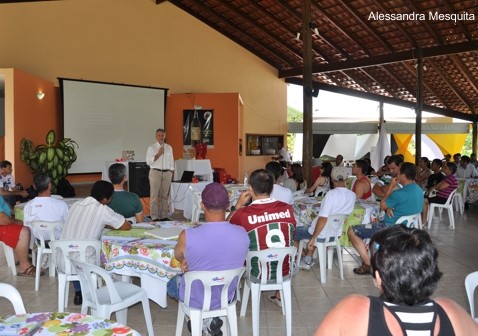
{"type": "Point", "coordinates": [53, 159]}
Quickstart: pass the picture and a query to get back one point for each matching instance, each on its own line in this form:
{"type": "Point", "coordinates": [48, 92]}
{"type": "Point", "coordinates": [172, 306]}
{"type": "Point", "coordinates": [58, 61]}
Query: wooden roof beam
{"type": "Point", "coordinates": [333, 22]}
{"type": "Point", "coordinates": [458, 22]}
{"type": "Point", "coordinates": [465, 73]}
{"type": "Point", "coordinates": [360, 18]}
{"type": "Point", "coordinates": [388, 100]}
{"type": "Point", "coordinates": [380, 83]}
{"type": "Point", "coordinates": [385, 59]}
{"type": "Point", "coordinates": [452, 87]}
{"type": "Point", "coordinates": [181, 5]}
{"type": "Point", "coordinates": [258, 27]}
{"type": "Point", "coordinates": [299, 17]}
{"type": "Point", "coordinates": [413, 70]}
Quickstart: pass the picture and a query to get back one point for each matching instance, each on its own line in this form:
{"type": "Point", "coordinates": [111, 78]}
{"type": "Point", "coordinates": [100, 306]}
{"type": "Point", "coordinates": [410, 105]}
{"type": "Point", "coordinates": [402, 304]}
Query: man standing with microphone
{"type": "Point", "coordinates": [160, 160]}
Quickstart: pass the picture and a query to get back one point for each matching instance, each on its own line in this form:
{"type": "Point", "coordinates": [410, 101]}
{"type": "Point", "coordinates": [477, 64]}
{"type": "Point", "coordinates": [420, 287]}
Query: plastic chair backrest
{"type": "Point", "coordinates": [266, 257]}
{"type": "Point", "coordinates": [45, 231]}
{"type": "Point", "coordinates": [409, 221]}
{"type": "Point", "coordinates": [450, 198]}
{"type": "Point", "coordinates": [88, 275]}
{"type": "Point", "coordinates": [65, 250]}
{"type": "Point", "coordinates": [211, 279]}
{"type": "Point", "coordinates": [13, 295]}
{"type": "Point", "coordinates": [334, 226]}
{"type": "Point", "coordinates": [471, 282]}
{"type": "Point", "coordinates": [196, 198]}
{"type": "Point", "coordinates": [321, 191]}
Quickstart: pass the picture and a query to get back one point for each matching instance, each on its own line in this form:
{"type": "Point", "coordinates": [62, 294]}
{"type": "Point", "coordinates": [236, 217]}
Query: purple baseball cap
{"type": "Point", "coordinates": [215, 197]}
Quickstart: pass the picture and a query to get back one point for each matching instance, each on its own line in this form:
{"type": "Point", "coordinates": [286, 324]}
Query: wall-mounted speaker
{"type": "Point", "coordinates": [138, 180]}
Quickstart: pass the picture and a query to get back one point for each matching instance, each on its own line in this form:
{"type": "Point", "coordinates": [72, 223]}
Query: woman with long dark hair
{"type": "Point", "coordinates": [323, 181]}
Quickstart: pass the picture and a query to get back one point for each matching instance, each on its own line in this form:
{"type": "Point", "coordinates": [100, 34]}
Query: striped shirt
{"type": "Point", "coordinates": [418, 320]}
{"type": "Point", "coordinates": [269, 223]}
{"type": "Point", "coordinates": [87, 219]}
{"type": "Point", "coordinates": [452, 185]}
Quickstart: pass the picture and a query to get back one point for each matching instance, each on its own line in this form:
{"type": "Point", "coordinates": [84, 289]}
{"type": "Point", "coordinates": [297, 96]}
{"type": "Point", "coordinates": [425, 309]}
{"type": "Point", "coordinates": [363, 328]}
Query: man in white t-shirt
{"type": "Point", "coordinates": [282, 156]}
{"type": "Point", "coordinates": [338, 201]}
{"type": "Point", "coordinates": [44, 207]}
{"type": "Point", "coordinates": [465, 169]}
{"type": "Point", "coordinates": [279, 192]}
{"type": "Point", "coordinates": [8, 188]}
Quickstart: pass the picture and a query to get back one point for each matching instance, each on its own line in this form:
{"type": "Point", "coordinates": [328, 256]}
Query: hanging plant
{"type": "Point", "coordinates": [53, 160]}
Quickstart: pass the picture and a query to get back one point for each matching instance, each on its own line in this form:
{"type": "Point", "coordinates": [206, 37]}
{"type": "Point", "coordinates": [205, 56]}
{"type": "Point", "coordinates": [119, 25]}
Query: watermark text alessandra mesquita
{"type": "Point", "coordinates": [428, 16]}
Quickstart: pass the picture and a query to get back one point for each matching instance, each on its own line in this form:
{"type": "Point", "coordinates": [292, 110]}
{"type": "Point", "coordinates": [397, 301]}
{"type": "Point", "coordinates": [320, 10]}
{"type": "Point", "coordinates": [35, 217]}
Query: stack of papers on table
{"type": "Point", "coordinates": [165, 232]}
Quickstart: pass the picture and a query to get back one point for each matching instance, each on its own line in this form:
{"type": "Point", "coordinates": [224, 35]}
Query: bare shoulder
{"type": "Point", "coordinates": [354, 309]}
{"type": "Point", "coordinates": [461, 321]}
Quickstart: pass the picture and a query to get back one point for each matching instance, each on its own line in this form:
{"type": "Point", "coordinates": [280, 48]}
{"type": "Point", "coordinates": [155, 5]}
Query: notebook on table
{"type": "Point", "coordinates": [165, 233]}
{"type": "Point", "coordinates": [187, 177]}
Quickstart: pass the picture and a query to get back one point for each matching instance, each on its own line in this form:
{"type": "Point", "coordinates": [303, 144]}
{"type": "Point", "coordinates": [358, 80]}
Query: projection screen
{"type": "Point", "coordinates": [107, 118]}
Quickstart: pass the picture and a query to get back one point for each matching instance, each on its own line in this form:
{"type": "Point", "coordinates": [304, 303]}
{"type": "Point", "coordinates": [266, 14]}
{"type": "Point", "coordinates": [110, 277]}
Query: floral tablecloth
{"type": "Point", "coordinates": [136, 251]}
{"type": "Point", "coordinates": [62, 324]}
{"type": "Point", "coordinates": [307, 209]}
{"type": "Point", "coordinates": [469, 189]}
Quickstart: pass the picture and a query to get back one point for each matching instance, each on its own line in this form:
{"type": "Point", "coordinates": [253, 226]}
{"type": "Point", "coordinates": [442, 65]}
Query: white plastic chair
{"type": "Point", "coordinates": [45, 231]}
{"type": "Point", "coordinates": [333, 227]}
{"type": "Point", "coordinates": [209, 279]}
{"type": "Point", "coordinates": [321, 191]}
{"type": "Point", "coordinates": [196, 211]}
{"type": "Point", "coordinates": [283, 283]}
{"type": "Point", "coordinates": [448, 206]}
{"type": "Point", "coordinates": [10, 256]}
{"type": "Point", "coordinates": [459, 203]}
{"type": "Point", "coordinates": [62, 252]}
{"type": "Point", "coordinates": [113, 297]}
{"type": "Point", "coordinates": [11, 293]}
{"type": "Point", "coordinates": [471, 282]}
{"type": "Point", "coordinates": [411, 221]}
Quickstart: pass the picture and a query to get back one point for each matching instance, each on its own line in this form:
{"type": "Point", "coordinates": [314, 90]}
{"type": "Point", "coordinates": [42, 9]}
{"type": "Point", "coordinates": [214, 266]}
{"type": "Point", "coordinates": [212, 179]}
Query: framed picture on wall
{"type": "Point", "coordinates": [198, 127]}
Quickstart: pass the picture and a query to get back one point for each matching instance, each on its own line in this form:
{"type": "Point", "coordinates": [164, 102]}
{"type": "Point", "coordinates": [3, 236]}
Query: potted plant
{"type": "Point", "coordinates": [53, 159]}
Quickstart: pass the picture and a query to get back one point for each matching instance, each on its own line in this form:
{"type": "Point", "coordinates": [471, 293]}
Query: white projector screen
{"type": "Point", "coordinates": [105, 119]}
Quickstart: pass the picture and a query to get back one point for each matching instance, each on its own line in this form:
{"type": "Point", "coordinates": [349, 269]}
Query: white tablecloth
{"type": "Point", "coordinates": [200, 168]}
{"type": "Point", "coordinates": [234, 191]}
{"type": "Point", "coordinates": [180, 196]}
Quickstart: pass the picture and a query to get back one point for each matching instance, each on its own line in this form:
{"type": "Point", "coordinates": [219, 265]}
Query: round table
{"type": "Point", "coordinates": [61, 324]}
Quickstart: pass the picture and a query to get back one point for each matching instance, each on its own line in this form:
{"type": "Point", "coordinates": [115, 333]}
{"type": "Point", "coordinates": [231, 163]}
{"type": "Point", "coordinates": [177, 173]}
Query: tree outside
{"type": "Point", "coordinates": [293, 115]}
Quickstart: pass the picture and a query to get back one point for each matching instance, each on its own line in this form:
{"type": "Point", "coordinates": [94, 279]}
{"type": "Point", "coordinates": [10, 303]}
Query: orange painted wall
{"type": "Point", "coordinates": [227, 119]}
{"type": "Point", "coordinates": [30, 118]}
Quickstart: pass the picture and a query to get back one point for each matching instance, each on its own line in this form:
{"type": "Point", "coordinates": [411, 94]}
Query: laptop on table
{"type": "Point", "coordinates": [187, 177]}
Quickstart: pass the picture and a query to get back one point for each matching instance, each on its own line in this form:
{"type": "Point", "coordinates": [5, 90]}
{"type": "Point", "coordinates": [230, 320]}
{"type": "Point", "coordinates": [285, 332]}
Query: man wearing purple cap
{"type": "Point", "coordinates": [214, 245]}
